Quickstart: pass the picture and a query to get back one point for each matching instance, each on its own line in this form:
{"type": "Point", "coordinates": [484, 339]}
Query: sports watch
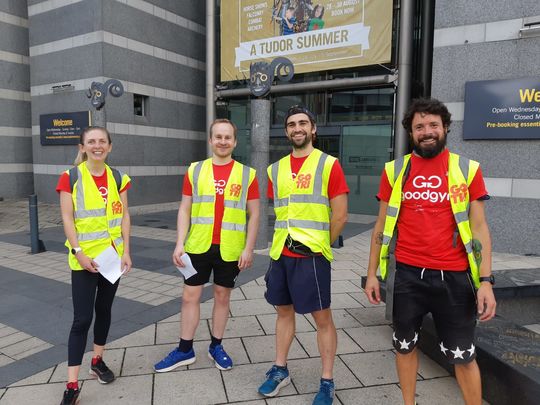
{"type": "Point", "coordinates": [490, 279]}
{"type": "Point", "coordinates": [75, 250]}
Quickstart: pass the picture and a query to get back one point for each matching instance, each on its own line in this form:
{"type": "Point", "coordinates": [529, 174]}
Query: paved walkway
{"type": "Point", "coordinates": [35, 316]}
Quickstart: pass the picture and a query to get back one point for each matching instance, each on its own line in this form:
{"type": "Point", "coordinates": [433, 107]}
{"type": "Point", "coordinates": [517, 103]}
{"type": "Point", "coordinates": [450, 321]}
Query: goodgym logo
{"type": "Point", "coordinates": [425, 190]}
{"type": "Point", "coordinates": [427, 185]}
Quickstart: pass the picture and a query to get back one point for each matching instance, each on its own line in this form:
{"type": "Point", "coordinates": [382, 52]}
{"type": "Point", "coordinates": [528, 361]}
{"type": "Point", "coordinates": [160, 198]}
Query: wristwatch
{"type": "Point", "coordinates": [75, 250]}
{"type": "Point", "coordinates": [490, 279]}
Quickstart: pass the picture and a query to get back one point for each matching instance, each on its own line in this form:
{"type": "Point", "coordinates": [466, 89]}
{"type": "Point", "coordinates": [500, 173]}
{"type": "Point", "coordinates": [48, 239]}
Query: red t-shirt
{"type": "Point", "coordinates": [426, 223]}
{"type": "Point", "coordinates": [101, 183]}
{"type": "Point", "coordinates": [221, 176]}
{"type": "Point", "coordinates": [337, 185]}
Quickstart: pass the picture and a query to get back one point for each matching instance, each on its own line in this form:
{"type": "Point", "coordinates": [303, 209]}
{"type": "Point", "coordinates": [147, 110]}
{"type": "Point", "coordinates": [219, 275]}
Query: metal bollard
{"type": "Point", "coordinates": [36, 244]}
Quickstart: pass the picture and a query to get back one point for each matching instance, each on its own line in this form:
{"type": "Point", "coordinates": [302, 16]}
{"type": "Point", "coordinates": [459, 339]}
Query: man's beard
{"type": "Point", "coordinates": [430, 151]}
{"type": "Point", "coordinates": [307, 140]}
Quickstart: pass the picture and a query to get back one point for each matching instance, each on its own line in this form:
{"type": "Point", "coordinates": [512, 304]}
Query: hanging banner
{"type": "Point", "coordinates": [314, 35]}
{"type": "Point", "coordinates": [502, 109]}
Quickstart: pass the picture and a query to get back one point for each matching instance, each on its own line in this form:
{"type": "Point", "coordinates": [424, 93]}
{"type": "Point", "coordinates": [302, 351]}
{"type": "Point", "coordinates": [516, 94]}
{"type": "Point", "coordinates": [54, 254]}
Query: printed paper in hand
{"type": "Point", "coordinates": [188, 270]}
{"type": "Point", "coordinates": [109, 264]}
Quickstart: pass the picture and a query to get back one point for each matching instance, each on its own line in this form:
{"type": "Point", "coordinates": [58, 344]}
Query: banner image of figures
{"type": "Point", "coordinates": [314, 34]}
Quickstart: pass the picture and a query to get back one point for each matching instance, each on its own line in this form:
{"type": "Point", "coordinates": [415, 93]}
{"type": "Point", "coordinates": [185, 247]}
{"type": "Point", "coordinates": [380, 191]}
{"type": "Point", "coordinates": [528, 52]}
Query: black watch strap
{"type": "Point", "coordinates": [490, 279]}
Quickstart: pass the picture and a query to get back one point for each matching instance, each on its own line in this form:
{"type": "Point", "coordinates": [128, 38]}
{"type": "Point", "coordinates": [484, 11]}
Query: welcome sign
{"type": "Point", "coordinates": [314, 36]}
{"type": "Point", "coordinates": [502, 109]}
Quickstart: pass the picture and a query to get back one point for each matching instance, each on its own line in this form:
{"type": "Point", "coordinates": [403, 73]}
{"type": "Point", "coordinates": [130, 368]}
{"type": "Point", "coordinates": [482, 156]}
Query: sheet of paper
{"type": "Point", "coordinates": [109, 264]}
{"type": "Point", "coordinates": [188, 270]}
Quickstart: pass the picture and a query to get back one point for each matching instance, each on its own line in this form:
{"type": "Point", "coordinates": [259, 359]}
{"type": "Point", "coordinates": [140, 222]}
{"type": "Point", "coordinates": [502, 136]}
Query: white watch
{"type": "Point", "coordinates": [75, 250]}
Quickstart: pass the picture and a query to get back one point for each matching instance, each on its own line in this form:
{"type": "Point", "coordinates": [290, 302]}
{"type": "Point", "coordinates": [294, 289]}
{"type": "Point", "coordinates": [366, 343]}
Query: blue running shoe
{"type": "Point", "coordinates": [175, 359]}
{"type": "Point", "coordinates": [220, 357]}
{"type": "Point", "coordinates": [276, 378]}
{"type": "Point", "coordinates": [325, 396]}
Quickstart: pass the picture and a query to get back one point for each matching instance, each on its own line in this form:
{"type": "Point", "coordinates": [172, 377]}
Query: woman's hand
{"type": "Point", "coordinates": [87, 263]}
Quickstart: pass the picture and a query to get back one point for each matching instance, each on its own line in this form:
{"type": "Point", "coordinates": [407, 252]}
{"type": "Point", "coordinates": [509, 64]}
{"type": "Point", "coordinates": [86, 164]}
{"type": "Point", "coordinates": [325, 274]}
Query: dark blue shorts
{"type": "Point", "coordinates": [302, 282]}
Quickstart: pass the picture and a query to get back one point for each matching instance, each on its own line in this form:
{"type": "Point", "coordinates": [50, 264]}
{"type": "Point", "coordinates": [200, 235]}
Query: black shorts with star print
{"type": "Point", "coordinates": [450, 296]}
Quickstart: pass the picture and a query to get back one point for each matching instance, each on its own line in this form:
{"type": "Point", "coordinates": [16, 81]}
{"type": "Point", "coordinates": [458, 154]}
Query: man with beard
{"type": "Point", "coordinates": [435, 201]}
{"type": "Point", "coordinates": [310, 201]}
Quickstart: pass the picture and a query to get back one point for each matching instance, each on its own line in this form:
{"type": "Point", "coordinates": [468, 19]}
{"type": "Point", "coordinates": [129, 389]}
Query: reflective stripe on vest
{"type": "Point", "coordinates": [460, 171]}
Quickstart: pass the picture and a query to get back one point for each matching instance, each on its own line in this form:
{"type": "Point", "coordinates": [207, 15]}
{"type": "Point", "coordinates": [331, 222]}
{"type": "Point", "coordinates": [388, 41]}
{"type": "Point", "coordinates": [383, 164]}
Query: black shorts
{"type": "Point", "coordinates": [450, 297]}
{"type": "Point", "coordinates": [225, 273]}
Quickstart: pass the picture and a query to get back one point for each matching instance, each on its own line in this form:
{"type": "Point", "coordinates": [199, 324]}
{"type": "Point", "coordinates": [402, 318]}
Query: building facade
{"type": "Point", "coordinates": [51, 52]}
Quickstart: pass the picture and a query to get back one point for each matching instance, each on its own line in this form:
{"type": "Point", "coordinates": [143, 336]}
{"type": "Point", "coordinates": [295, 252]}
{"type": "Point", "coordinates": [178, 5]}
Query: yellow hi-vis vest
{"type": "Point", "coordinates": [233, 226]}
{"type": "Point", "coordinates": [461, 172]}
{"type": "Point", "coordinates": [301, 204]}
{"type": "Point", "coordinates": [97, 225]}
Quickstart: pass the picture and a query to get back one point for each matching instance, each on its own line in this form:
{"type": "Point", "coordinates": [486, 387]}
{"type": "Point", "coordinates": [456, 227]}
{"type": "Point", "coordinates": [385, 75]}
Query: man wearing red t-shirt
{"type": "Point", "coordinates": [217, 195]}
{"type": "Point", "coordinates": [434, 270]}
{"type": "Point", "coordinates": [310, 201]}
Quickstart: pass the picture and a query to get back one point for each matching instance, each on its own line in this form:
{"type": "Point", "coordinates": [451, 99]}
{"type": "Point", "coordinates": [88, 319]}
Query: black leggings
{"type": "Point", "coordinates": [83, 286]}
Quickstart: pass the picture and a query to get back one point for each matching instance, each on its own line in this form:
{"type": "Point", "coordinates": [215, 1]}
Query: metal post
{"type": "Point", "coordinates": [98, 118]}
{"type": "Point", "coordinates": [36, 244]}
{"type": "Point", "coordinates": [260, 148]}
{"type": "Point", "coordinates": [210, 67]}
{"type": "Point", "coordinates": [426, 56]}
{"type": "Point", "coordinates": [405, 61]}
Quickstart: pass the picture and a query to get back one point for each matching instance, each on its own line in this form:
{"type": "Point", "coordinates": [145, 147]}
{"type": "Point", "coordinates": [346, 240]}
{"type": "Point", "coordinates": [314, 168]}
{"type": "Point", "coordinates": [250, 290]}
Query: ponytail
{"type": "Point", "coordinates": [81, 157]}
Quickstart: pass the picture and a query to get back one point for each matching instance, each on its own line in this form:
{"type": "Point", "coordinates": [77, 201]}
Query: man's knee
{"type": "Point", "coordinates": [191, 295]}
{"type": "Point", "coordinates": [470, 366]}
{"type": "Point", "coordinates": [285, 311]}
{"type": "Point", "coordinates": [222, 295]}
{"type": "Point", "coordinates": [323, 319]}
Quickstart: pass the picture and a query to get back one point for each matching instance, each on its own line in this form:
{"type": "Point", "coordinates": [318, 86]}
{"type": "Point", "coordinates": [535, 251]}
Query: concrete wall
{"type": "Point", "coordinates": [479, 40]}
{"type": "Point", "coordinates": [156, 48]}
{"type": "Point", "coordinates": [15, 134]}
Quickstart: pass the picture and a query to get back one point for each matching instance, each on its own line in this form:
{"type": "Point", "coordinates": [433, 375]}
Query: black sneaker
{"type": "Point", "coordinates": [102, 372]}
{"type": "Point", "coordinates": [71, 397]}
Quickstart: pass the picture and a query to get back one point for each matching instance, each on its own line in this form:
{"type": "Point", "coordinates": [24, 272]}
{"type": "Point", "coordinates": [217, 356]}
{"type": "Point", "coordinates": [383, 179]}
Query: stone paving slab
{"type": "Point", "coordinates": [124, 391]}
{"type": "Point", "coordinates": [243, 326]}
{"type": "Point", "coordinates": [306, 374]}
{"type": "Point", "coordinates": [372, 338]}
{"type": "Point", "coordinates": [383, 394]}
{"type": "Point", "coordinates": [268, 322]}
{"type": "Point", "coordinates": [370, 316]}
{"type": "Point", "coordinates": [263, 348]}
{"type": "Point", "coordinates": [308, 340]}
{"type": "Point", "coordinates": [39, 378]}
{"type": "Point", "coordinates": [169, 387]}
{"type": "Point", "coordinates": [143, 337]}
{"type": "Point", "coordinates": [374, 368]}
{"type": "Point", "coordinates": [170, 332]}
{"type": "Point", "coordinates": [34, 394]}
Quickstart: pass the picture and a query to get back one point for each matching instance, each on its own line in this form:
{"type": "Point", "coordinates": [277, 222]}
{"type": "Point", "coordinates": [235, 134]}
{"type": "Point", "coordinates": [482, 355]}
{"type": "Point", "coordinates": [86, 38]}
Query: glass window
{"type": "Point", "coordinates": [315, 102]}
{"type": "Point", "coordinates": [139, 105]}
{"type": "Point", "coordinates": [366, 148]}
{"type": "Point", "coordinates": [362, 105]}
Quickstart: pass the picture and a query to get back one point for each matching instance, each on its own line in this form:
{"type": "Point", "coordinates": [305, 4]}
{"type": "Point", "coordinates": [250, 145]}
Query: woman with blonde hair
{"type": "Point", "coordinates": [94, 206]}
